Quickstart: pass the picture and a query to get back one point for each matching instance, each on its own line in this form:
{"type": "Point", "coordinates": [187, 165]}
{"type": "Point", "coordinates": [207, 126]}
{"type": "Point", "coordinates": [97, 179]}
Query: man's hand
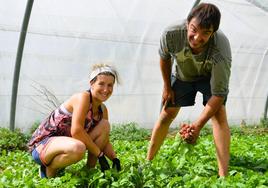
{"type": "Point", "coordinates": [167, 95]}
{"type": "Point", "coordinates": [189, 133]}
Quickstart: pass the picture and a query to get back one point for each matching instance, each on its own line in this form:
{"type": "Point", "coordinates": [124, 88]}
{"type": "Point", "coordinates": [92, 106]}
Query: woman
{"type": "Point", "coordinates": [80, 124]}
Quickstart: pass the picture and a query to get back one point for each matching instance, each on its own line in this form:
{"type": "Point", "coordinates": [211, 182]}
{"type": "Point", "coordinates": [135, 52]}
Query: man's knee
{"type": "Point", "coordinates": [168, 115]}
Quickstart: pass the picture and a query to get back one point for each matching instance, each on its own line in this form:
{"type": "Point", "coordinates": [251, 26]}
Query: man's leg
{"type": "Point", "coordinates": [221, 133]}
{"type": "Point", "coordinates": [161, 129]}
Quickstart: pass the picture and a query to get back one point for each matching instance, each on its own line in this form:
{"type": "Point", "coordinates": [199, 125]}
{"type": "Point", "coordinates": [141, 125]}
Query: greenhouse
{"type": "Point", "coordinates": [47, 50]}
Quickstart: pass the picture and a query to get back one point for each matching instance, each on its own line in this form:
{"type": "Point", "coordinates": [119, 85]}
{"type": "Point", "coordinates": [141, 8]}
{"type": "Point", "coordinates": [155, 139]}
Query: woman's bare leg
{"type": "Point", "coordinates": [100, 136]}
{"type": "Point", "coordinates": [60, 152]}
{"type": "Point", "coordinates": [109, 151]}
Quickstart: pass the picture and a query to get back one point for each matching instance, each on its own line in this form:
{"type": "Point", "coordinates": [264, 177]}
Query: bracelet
{"type": "Point", "coordinates": [100, 154]}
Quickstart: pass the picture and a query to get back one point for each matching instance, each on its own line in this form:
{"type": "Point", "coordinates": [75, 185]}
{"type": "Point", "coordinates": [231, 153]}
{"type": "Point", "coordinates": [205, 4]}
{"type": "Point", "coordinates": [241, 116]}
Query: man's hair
{"type": "Point", "coordinates": [207, 15]}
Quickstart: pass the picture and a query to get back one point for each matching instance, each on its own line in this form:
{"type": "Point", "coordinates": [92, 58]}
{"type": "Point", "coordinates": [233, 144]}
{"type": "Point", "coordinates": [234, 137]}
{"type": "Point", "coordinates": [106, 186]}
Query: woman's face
{"type": "Point", "coordinates": [102, 88]}
{"type": "Point", "coordinates": [197, 37]}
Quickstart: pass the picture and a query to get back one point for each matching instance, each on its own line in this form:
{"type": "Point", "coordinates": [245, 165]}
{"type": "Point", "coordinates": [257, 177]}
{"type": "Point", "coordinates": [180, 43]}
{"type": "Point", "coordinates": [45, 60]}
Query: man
{"type": "Point", "coordinates": [201, 57]}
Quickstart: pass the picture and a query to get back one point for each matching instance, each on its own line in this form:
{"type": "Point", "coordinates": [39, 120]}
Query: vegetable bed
{"type": "Point", "coordinates": [176, 165]}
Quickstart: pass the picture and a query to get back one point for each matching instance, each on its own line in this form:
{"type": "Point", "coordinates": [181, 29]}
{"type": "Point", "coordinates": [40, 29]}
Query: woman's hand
{"type": "Point", "coordinates": [116, 164]}
{"type": "Point", "coordinates": [103, 162]}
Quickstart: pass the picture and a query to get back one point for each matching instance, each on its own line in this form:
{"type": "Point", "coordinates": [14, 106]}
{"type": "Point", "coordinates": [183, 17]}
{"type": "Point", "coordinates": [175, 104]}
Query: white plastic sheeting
{"type": "Point", "coordinates": [65, 37]}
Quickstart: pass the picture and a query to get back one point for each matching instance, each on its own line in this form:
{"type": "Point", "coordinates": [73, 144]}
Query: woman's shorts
{"type": "Point", "coordinates": [38, 156]}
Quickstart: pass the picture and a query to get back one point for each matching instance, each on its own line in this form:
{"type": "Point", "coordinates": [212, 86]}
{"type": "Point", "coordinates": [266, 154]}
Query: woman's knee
{"type": "Point", "coordinates": [100, 133]}
{"type": "Point", "coordinates": [78, 149]}
{"type": "Point", "coordinates": [104, 127]}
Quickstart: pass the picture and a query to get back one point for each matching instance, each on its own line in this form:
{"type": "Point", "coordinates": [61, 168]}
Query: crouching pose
{"type": "Point", "coordinates": [80, 124]}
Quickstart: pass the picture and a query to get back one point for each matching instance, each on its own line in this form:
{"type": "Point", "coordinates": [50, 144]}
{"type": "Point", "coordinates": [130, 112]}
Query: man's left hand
{"type": "Point", "coordinates": [189, 133]}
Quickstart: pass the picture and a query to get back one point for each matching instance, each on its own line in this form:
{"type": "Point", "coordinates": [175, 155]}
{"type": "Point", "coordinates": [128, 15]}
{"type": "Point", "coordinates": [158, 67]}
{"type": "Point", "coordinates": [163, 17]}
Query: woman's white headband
{"type": "Point", "coordinates": [101, 70]}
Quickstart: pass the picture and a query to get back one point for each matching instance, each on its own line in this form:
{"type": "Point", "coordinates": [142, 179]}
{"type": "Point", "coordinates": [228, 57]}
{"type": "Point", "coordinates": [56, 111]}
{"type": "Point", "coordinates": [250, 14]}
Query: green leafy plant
{"type": "Point", "coordinates": [264, 122]}
{"type": "Point", "coordinates": [177, 164]}
{"type": "Point", "coordinates": [12, 140]}
{"type": "Point", "coordinates": [129, 131]}
{"type": "Point", "coordinates": [34, 126]}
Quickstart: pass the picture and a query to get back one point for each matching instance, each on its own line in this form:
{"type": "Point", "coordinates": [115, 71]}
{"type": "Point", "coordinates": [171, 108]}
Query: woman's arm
{"type": "Point", "coordinates": [105, 112]}
{"type": "Point", "coordinates": [80, 106]}
{"type": "Point", "coordinates": [108, 149]}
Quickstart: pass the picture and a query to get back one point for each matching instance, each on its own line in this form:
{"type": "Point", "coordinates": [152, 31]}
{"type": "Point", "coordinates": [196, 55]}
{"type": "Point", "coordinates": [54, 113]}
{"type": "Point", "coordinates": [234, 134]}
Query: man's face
{"type": "Point", "coordinates": [197, 37]}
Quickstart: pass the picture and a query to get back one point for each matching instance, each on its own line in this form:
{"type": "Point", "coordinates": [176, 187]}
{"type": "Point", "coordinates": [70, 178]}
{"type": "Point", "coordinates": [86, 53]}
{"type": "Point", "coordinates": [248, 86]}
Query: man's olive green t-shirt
{"type": "Point", "coordinates": [214, 63]}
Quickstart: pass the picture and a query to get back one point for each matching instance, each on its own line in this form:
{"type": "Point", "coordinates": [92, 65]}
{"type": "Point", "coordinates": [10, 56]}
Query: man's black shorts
{"type": "Point", "coordinates": [185, 92]}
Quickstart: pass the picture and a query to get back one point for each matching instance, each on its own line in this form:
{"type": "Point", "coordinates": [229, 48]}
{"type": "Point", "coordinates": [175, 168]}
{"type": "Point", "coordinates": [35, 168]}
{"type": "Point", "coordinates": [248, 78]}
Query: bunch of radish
{"type": "Point", "coordinates": [187, 132]}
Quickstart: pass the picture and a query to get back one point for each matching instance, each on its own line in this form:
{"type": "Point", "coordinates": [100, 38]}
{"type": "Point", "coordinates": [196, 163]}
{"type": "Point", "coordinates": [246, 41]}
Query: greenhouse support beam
{"type": "Point", "coordinates": [265, 109]}
{"type": "Point", "coordinates": [16, 74]}
{"type": "Point", "coordinates": [196, 3]}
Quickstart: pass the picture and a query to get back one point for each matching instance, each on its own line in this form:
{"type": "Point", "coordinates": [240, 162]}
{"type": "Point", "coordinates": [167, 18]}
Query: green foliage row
{"type": "Point", "coordinates": [129, 131]}
{"type": "Point", "coordinates": [264, 122]}
{"type": "Point", "coordinates": [176, 165]}
{"type": "Point", "coordinates": [11, 141]}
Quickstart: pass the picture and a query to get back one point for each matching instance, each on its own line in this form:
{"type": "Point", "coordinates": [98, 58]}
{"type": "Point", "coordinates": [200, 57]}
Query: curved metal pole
{"type": "Point", "coordinates": [196, 3]}
{"type": "Point", "coordinates": [266, 109]}
{"type": "Point", "coordinates": [18, 64]}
